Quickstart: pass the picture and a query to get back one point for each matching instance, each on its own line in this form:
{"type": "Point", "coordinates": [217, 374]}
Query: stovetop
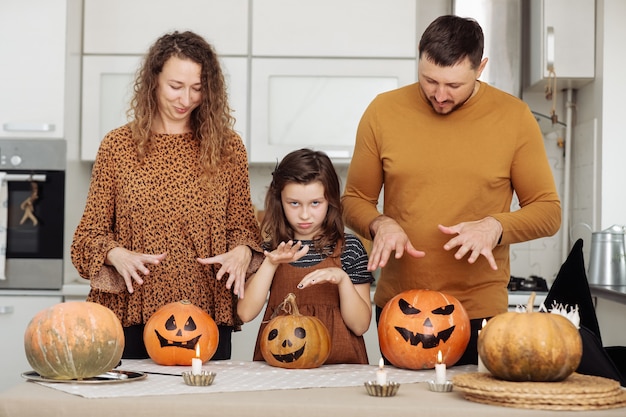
{"type": "Point", "coordinates": [531, 283]}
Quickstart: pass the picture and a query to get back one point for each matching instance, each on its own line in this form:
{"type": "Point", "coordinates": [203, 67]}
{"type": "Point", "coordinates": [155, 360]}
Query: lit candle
{"type": "Point", "coordinates": [381, 374]}
{"type": "Point", "coordinates": [481, 365]}
{"type": "Point", "coordinates": [440, 370]}
{"type": "Point", "coordinates": [196, 363]}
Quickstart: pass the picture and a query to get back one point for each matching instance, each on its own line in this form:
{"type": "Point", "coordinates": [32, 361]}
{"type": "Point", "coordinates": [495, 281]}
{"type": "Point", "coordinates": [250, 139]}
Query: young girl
{"type": "Point", "coordinates": [312, 257]}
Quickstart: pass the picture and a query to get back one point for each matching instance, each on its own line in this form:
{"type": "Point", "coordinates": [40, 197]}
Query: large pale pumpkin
{"type": "Point", "coordinates": [530, 346]}
{"type": "Point", "coordinates": [294, 341]}
{"type": "Point", "coordinates": [174, 332]}
{"type": "Point", "coordinates": [416, 324]}
{"type": "Point", "coordinates": [74, 340]}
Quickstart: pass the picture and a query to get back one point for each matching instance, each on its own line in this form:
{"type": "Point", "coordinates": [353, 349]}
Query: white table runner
{"type": "Point", "coordinates": [235, 376]}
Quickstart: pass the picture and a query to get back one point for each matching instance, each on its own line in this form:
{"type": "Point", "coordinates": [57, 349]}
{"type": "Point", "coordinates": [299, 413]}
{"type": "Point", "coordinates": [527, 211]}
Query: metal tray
{"type": "Point", "coordinates": [110, 377]}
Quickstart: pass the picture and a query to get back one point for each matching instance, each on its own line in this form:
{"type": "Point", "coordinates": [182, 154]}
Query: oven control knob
{"type": "Point", "coordinates": [16, 160]}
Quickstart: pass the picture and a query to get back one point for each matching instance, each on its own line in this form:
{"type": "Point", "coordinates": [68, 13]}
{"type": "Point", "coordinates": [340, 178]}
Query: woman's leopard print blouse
{"type": "Point", "coordinates": [161, 206]}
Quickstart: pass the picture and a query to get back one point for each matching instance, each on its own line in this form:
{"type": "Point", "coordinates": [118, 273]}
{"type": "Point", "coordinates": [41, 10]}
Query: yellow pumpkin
{"type": "Point", "coordinates": [74, 340]}
{"type": "Point", "coordinates": [294, 341]}
{"type": "Point", "coordinates": [530, 346]}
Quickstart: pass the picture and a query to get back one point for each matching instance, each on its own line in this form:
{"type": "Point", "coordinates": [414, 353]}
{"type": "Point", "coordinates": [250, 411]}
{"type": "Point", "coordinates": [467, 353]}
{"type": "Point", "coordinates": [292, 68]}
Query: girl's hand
{"type": "Point", "coordinates": [333, 275]}
{"type": "Point", "coordinates": [287, 252]}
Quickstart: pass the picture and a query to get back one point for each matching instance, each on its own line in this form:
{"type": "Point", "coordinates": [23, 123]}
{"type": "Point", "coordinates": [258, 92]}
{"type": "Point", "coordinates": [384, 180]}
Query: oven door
{"type": "Point", "coordinates": [34, 229]}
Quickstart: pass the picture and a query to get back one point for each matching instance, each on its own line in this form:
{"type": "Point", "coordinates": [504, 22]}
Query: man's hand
{"type": "Point", "coordinates": [389, 237]}
{"type": "Point", "coordinates": [476, 238]}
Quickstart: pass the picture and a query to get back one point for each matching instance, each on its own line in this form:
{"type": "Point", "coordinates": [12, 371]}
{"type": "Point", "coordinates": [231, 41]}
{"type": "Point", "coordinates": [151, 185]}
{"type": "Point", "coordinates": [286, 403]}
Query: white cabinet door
{"type": "Point", "coordinates": [107, 89]}
{"type": "Point", "coordinates": [330, 28]}
{"type": "Point", "coordinates": [562, 37]}
{"type": "Point", "coordinates": [32, 73]}
{"type": "Point", "coordinates": [130, 27]}
{"type": "Point", "coordinates": [316, 103]}
{"type": "Point", "coordinates": [15, 314]}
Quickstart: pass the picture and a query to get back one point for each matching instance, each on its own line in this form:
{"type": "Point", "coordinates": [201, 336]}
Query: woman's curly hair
{"type": "Point", "coordinates": [211, 122]}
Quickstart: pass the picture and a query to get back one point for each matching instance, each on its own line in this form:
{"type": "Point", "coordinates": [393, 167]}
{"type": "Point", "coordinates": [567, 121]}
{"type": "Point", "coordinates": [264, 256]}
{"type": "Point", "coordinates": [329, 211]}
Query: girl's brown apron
{"type": "Point", "coordinates": [321, 301]}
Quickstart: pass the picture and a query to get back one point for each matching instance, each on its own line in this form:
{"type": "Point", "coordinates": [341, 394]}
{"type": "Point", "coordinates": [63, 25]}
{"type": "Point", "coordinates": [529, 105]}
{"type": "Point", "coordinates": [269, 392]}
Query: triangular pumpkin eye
{"type": "Point", "coordinates": [170, 324]}
{"type": "Point", "coordinates": [407, 308]}
{"type": "Point", "coordinates": [444, 311]}
{"type": "Point", "coordinates": [190, 325]}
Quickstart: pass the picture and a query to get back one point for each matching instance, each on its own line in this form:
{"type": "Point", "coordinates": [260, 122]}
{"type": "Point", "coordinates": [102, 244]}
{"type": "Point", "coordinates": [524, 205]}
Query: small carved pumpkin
{"type": "Point", "coordinates": [173, 331]}
{"type": "Point", "coordinates": [294, 341]}
{"type": "Point", "coordinates": [416, 324]}
{"type": "Point", "coordinates": [74, 340]}
{"type": "Point", "coordinates": [530, 346]}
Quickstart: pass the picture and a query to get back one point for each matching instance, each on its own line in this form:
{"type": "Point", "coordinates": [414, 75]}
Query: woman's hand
{"type": "Point", "coordinates": [132, 265]}
{"type": "Point", "coordinates": [234, 263]}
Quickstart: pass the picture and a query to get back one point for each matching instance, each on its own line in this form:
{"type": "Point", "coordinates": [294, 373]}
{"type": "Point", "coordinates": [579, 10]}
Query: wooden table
{"type": "Point", "coordinates": [29, 399]}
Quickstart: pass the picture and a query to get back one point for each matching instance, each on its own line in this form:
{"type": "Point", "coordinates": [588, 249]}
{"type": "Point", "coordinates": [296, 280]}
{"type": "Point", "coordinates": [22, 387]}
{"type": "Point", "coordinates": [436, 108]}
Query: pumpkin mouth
{"type": "Point", "coordinates": [188, 344]}
{"type": "Point", "coordinates": [290, 357]}
{"type": "Point", "coordinates": [428, 341]}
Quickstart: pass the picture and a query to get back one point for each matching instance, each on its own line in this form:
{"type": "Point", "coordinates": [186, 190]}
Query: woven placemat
{"type": "Point", "coordinates": [577, 392]}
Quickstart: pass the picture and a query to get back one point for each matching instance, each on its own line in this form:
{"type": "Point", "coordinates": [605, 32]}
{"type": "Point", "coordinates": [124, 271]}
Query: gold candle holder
{"type": "Point", "coordinates": [202, 379]}
{"type": "Point", "coordinates": [436, 387]}
{"type": "Point", "coordinates": [388, 390]}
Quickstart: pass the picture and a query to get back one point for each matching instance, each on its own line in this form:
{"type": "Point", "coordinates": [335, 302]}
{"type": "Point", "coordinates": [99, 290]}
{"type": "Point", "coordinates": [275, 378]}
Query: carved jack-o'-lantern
{"type": "Point", "coordinates": [416, 324]}
{"type": "Point", "coordinates": [173, 331]}
{"type": "Point", "coordinates": [294, 341]}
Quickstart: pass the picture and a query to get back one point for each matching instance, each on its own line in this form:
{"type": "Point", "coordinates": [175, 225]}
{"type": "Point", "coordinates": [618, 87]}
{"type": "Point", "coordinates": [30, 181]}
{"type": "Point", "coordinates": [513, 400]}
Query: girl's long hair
{"type": "Point", "coordinates": [303, 166]}
{"type": "Point", "coordinates": [211, 122]}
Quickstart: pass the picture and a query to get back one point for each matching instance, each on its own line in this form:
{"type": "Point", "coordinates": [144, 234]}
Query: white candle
{"type": "Point", "coordinates": [381, 374]}
{"type": "Point", "coordinates": [196, 363]}
{"type": "Point", "coordinates": [481, 365]}
{"type": "Point", "coordinates": [440, 370]}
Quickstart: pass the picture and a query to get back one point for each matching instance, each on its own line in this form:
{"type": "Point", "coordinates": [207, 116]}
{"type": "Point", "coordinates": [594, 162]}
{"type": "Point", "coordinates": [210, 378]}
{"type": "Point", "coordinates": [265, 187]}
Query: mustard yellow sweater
{"type": "Point", "coordinates": [445, 170]}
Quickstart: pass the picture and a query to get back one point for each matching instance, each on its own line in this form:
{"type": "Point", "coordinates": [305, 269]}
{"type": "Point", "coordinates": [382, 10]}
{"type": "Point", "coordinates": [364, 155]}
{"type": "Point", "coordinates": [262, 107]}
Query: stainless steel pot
{"type": "Point", "coordinates": [607, 262]}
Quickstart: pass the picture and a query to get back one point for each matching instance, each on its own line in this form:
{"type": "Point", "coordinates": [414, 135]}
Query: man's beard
{"type": "Point", "coordinates": [456, 107]}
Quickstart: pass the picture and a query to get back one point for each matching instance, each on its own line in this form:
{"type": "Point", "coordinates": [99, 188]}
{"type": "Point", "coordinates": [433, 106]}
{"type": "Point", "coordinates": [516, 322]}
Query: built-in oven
{"type": "Point", "coordinates": [32, 211]}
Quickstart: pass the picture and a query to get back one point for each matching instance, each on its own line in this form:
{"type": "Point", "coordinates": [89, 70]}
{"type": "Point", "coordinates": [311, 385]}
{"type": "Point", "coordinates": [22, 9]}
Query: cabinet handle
{"type": "Point", "coordinates": [7, 310]}
{"type": "Point", "coordinates": [550, 48]}
{"type": "Point", "coordinates": [28, 127]}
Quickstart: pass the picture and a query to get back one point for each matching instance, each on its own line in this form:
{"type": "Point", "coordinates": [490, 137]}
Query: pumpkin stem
{"type": "Point", "coordinates": [531, 302]}
{"type": "Point", "coordinates": [289, 305]}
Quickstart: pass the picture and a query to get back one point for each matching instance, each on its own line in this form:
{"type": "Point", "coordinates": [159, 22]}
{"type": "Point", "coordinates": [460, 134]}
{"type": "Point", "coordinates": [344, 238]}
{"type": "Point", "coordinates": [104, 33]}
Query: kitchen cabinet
{"type": "Point", "coordinates": [120, 27]}
{"type": "Point", "coordinates": [16, 311]}
{"type": "Point", "coordinates": [317, 103]}
{"type": "Point", "coordinates": [32, 74]}
{"type": "Point", "coordinates": [328, 28]}
{"type": "Point", "coordinates": [561, 37]}
{"type": "Point", "coordinates": [107, 89]}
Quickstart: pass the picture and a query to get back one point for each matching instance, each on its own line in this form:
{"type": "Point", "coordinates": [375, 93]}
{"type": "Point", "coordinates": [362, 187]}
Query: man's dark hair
{"type": "Point", "coordinates": [449, 39]}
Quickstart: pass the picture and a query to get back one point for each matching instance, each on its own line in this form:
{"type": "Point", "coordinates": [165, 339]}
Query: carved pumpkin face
{"type": "Point", "coordinates": [172, 333]}
{"type": "Point", "coordinates": [416, 324]}
{"type": "Point", "coordinates": [295, 341]}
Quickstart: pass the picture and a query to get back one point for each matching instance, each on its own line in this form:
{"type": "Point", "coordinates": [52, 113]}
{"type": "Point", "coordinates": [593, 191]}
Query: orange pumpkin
{"type": "Point", "coordinates": [74, 340]}
{"type": "Point", "coordinates": [294, 341]}
{"type": "Point", "coordinates": [530, 346]}
{"type": "Point", "coordinates": [175, 330]}
{"type": "Point", "coordinates": [416, 324]}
